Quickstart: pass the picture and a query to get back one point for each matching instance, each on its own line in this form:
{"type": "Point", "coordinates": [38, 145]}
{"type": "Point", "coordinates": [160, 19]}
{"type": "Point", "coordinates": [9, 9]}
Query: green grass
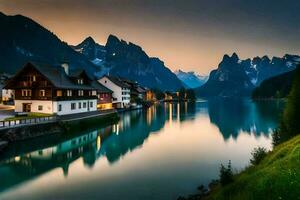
{"type": "Point", "coordinates": [29, 116]}
{"type": "Point", "coordinates": [276, 177]}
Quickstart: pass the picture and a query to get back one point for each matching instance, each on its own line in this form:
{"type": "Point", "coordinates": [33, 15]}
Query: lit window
{"type": "Point", "coordinates": [26, 93]}
{"type": "Point", "coordinates": [42, 93]}
{"type": "Point", "coordinates": [32, 78]}
{"type": "Point", "coordinates": [59, 93]}
{"type": "Point", "coordinates": [80, 81]}
{"type": "Point", "coordinates": [80, 92]}
{"type": "Point", "coordinates": [69, 93]}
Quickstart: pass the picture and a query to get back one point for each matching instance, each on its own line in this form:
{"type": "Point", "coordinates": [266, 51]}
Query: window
{"type": "Point", "coordinates": [58, 93]}
{"type": "Point", "coordinates": [80, 81]}
{"type": "Point", "coordinates": [42, 93]}
{"type": "Point", "coordinates": [32, 78]}
{"type": "Point", "coordinates": [69, 93]}
{"type": "Point", "coordinates": [80, 92]}
{"type": "Point", "coordinates": [73, 106]}
{"type": "Point", "coordinates": [26, 93]}
{"type": "Point", "coordinates": [84, 104]}
{"type": "Point", "coordinates": [79, 105]}
{"type": "Point", "coordinates": [91, 104]}
{"type": "Point", "coordinates": [40, 107]}
{"type": "Point", "coordinates": [59, 107]}
{"type": "Point", "coordinates": [94, 93]}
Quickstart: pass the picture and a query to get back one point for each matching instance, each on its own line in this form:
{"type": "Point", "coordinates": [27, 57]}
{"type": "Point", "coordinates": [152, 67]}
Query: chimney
{"type": "Point", "coordinates": [65, 65]}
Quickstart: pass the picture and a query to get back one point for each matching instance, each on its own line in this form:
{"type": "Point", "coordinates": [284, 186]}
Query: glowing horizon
{"type": "Point", "coordinates": [189, 35]}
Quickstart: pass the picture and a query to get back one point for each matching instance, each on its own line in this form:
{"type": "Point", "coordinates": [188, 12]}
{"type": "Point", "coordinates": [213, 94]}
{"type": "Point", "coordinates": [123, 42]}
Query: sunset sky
{"type": "Point", "coordinates": [186, 34]}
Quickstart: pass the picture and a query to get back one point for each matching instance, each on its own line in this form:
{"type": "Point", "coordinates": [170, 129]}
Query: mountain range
{"type": "Point", "coordinates": [125, 59]}
{"type": "Point", "coordinates": [191, 79]}
{"type": "Point", "coordinates": [235, 77]}
{"type": "Point", "coordinates": [23, 40]}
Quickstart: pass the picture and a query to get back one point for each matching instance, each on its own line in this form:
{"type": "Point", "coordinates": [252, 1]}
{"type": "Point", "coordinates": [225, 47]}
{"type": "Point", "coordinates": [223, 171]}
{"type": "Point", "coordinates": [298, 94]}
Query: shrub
{"type": "Point", "coordinates": [258, 154]}
{"type": "Point", "coordinates": [226, 175]}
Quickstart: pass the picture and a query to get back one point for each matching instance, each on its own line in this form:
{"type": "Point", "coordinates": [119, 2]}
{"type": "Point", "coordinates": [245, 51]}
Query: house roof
{"type": "Point", "coordinates": [57, 76]}
{"type": "Point", "coordinates": [118, 81]}
{"type": "Point", "coordinates": [141, 89]}
{"type": "Point", "coordinates": [100, 88]}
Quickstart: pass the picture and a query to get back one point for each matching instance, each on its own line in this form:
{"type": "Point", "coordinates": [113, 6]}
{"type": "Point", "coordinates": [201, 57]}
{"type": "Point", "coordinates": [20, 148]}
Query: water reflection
{"type": "Point", "coordinates": [28, 160]}
{"type": "Point", "coordinates": [239, 115]}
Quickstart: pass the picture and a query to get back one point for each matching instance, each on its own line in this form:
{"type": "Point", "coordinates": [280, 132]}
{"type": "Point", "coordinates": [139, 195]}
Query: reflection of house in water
{"type": "Point", "coordinates": [25, 167]}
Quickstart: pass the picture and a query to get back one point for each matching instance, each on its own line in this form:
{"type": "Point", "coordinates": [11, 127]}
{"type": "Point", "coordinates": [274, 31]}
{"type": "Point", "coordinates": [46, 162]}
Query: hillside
{"type": "Point", "coordinates": [276, 177]}
{"type": "Point", "coordinates": [276, 87]}
{"type": "Point", "coordinates": [23, 40]}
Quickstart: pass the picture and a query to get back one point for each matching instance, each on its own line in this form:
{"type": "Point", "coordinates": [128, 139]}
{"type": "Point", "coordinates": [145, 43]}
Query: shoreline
{"type": "Point", "coordinates": [64, 124]}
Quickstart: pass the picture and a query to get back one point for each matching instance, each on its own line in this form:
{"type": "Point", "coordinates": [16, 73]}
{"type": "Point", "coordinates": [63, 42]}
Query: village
{"type": "Point", "coordinates": [40, 93]}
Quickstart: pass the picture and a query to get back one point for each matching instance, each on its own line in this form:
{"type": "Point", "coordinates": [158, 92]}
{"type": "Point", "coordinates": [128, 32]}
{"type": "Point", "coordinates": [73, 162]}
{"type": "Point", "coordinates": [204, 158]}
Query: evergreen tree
{"type": "Point", "coordinates": [290, 125]}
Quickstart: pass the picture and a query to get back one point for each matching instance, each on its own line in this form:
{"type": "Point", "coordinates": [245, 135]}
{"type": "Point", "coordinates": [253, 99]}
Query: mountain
{"type": "Point", "coordinates": [259, 69]}
{"type": "Point", "coordinates": [128, 60]}
{"type": "Point", "coordinates": [191, 79]}
{"type": "Point", "coordinates": [229, 80]}
{"type": "Point", "coordinates": [92, 50]}
{"type": "Point", "coordinates": [235, 77]}
{"type": "Point", "coordinates": [275, 87]}
{"type": "Point", "coordinates": [23, 40]}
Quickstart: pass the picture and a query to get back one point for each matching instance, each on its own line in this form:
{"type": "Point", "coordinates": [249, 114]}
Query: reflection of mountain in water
{"type": "Point", "coordinates": [24, 162]}
{"type": "Point", "coordinates": [28, 160]}
{"type": "Point", "coordinates": [235, 115]}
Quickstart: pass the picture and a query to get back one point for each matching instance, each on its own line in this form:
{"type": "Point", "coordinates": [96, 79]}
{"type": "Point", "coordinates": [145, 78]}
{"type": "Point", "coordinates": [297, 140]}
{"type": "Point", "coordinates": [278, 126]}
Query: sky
{"type": "Point", "coordinates": [185, 34]}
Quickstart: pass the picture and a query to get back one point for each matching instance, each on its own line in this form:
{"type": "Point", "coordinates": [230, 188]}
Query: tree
{"type": "Point", "coordinates": [290, 125]}
{"type": "Point", "coordinates": [226, 175]}
{"type": "Point", "coordinates": [258, 154]}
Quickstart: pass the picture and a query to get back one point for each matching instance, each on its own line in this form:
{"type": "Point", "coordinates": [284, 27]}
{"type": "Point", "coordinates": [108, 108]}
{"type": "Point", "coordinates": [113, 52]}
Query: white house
{"type": "Point", "coordinates": [51, 89]}
{"type": "Point", "coordinates": [121, 90]}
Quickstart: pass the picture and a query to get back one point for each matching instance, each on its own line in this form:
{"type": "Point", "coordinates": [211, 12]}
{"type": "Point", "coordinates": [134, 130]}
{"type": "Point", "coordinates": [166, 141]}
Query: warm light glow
{"type": "Point", "coordinates": [98, 142]}
{"type": "Point", "coordinates": [104, 106]}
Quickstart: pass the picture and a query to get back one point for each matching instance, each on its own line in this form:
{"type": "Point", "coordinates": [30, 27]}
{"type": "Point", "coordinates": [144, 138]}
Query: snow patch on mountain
{"type": "Point", "coordinates": [191, 79]}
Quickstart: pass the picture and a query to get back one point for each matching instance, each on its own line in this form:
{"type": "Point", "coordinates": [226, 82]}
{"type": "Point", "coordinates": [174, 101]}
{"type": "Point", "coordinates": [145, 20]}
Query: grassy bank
{"type": "Point", "coordinates": [276, 177]}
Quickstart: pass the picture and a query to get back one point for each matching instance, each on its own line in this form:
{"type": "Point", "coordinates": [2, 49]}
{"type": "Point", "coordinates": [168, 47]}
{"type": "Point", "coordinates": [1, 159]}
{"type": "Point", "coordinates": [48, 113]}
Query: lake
{"type": "Point", "coordinates": [159, 153]}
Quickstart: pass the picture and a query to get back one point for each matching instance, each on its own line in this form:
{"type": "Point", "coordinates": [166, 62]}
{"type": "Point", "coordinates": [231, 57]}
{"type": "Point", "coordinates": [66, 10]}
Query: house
{"type": "Point", "coordinates": [104, 95]}
{"type": "Point", "coordinates": [104, 101]}
{"type": "Point", "coordinates": [6, 95]}
{"type": "Point", "coordinates": [52, 89]}
{"type": "Point", "coordinates": [121, 90]}
{"type": "Point", "coordinates": [149, 95]}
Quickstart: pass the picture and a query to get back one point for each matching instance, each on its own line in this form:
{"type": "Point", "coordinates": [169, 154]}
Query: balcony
{"type": "Point", "coordinates": [33, 84]}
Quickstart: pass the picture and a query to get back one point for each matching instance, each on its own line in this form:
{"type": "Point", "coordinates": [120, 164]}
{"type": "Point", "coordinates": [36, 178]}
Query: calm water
{"type": "Point", "coordinates": [160, 153]}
